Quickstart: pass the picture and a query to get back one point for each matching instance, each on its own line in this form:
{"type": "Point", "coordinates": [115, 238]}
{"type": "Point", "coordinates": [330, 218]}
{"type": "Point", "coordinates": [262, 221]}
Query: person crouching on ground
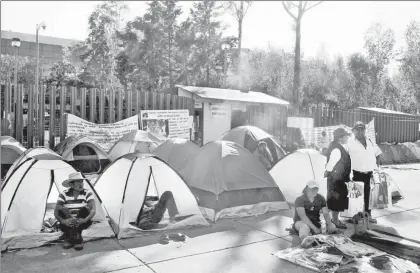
{"type": "Point", "coordinates": [74, 210]}
{"type": "Point", "coordinates": [338, 171]}
{"type": "Point", "coordinates": [308, 207]}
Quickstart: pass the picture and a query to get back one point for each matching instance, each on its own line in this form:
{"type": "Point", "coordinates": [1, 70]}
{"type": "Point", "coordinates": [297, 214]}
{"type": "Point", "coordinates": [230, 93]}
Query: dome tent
{"type": "Point", "coordinates": [249, 136]}
{"type": "Point", "coordinates": [124, 185]}
{"type": "Point", "coordinates": [230, 182]}
{"type": "Point", "coordinates": [176, 152]}
{"type": "Point", "coordinates": [387, 156]}
{"type": "Point", "coordinates": [22, 217]}
{"type": "Point", "coordinates": [415, 149]}
{"type": "Point", "coordinates": [28, 154]}
{"type": "Point", "coordinates": [296, 169]}
{"type": "Point", "coordinates": [136, 141]}
{"type": "Point", "coordinates": [11, 149]}
{"type": "Point", "coordinates": [83, 154]}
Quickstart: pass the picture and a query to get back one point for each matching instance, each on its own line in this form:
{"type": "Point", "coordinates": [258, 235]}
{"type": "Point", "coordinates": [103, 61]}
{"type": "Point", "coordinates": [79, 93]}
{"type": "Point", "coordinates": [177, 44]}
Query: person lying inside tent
{"type": "Point", "coordinates": [153, 210]}
{"type": "Point", "coordinates": [308, 207]}
{"type": "Point", "coordinates": [264, 154]}
{"type": "Point", "coordinates": [74, 210]}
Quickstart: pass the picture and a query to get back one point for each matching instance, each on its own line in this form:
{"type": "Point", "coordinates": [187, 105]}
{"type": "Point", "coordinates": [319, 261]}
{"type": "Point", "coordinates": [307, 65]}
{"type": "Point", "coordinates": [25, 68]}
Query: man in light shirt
{"type": "Point", "coordinates": [364, 155]}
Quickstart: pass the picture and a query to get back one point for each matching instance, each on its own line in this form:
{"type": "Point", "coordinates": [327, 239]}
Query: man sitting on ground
{"type": "Point", "coordinates": [153, 210]}
{"type": "Point", "coordinates": [307, 211]}
{"type": "Point", "coordinates": [74, 210]}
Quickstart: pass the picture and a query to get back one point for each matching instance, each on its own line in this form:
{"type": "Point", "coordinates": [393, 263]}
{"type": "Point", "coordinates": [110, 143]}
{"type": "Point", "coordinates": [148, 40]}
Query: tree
{"type": "Point", "coordinates": [296, 11]}
{"type": "Point", "coordinates": [410, 60]}
{"type": "Point", "coordinates": [359, 69]}
{"type": "Point", "coordinates": [99, 51]}
{"type": "Point", "coordinates": [25, 69]}
{"type": "Point", "coordinates": [239, 10]}
{"type": "Point", "coordinates": [208, 35]}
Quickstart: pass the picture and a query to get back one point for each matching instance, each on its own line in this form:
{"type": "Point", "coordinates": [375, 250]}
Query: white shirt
{"type": "Point", "coordinates": [363, 159]}
{"type": "Point", "coordinates": [335, 156]}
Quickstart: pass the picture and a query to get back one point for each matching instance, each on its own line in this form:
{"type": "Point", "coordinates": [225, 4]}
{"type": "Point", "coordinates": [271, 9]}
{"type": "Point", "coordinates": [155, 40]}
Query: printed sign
{"type": "Point", "coordinates": [219, 110]}
{"type": "Point", "coordinates": [298, 122]}
{"type": "Point", "coordinates": [105, 135]}
{"type": "Point", "coordinates": [166, 123]}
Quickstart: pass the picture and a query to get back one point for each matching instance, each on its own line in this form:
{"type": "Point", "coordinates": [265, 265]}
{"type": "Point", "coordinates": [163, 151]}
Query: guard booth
{"type": "Point", "coordinates": [218, 110]}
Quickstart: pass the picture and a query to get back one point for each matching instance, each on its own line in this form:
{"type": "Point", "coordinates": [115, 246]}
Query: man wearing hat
{"type": "Point", "coordinates": [364, 155]}
{"type": "Point", "coordinates": [74, 210]}
{"type": "Point", "coordinates": [338, 171]}
{"type": "Point", "coordinates": [308, 208]}
{"type": "Point", "coordinates": [264, 154]}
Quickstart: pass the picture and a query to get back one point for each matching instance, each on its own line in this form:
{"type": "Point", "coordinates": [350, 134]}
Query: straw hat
{"type": "Point", "coordinates": [72, 177]}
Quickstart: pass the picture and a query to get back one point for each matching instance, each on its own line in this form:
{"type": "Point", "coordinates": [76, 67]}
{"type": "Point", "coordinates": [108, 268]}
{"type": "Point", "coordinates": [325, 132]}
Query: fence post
{"type": "Point", "coordinates": [83, 103]}
{"type": "Point", "coordinates": [174, 102]}
{"type": "Point", "coordinates": [129, 102]}
{"type": "Point", "coordinates": [92, 104]}
{"type": "Point", "coordinates": [30, 126]}
{"type": "Point", "coordinates": [52, 116]}
{"type": "Point", "coordinates": [146, 100]}
{"type": "Point", "coordinates": [167, 101]}
{"type": "Point", "coordinates": [136, 93]}
{"type": "Point", "coordinates": [73, 100]}
{"type": "Point", "coordinates": [19, 112]}
{"type": "Point", "coordinates": [101, 105]}
{"type": "Point", "coordinates": [63, 104]}
{"type": "Point", "coordinates": [119, 105]}
{"type": "Point", "coordinates": [41, 113]}
{"type": "Point", "coordinates": [111, 104]}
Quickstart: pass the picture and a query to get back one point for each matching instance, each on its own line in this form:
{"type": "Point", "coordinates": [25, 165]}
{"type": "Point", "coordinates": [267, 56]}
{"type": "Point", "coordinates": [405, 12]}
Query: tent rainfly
{"type": "Point", "coordinates": [230, 182]}
{"type": "Point", "coordinates": [127, 182]}
{"type": "Point", "coordinates": [137, 141]}
{"type": "Point", "coordinates": [22, 217]}
{"type": "Point", "coordinates": [11, 149]}
{"type": "Point", "coordinates": [176, 152]}
{"type": "Point", "coordinates": [83, 154]}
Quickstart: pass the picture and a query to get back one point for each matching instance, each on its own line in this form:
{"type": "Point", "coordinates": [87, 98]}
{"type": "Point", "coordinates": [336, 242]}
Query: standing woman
{"type": "Point", "coordinates": [338, 171]}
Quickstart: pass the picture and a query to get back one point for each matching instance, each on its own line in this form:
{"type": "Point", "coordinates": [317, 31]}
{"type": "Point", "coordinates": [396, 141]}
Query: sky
{"type": "Point", "coordinates": [332, 28]}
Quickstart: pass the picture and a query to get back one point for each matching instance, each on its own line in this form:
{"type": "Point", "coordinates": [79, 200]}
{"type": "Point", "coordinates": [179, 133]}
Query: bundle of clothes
{"type": "Point", "coordinates": [338, 253]}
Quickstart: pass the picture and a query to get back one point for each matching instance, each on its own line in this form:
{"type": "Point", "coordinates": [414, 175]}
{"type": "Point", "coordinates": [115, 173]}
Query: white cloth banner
{"type": "Point", "coordinates": [105, 135]}
{"type": "Point", "coordinates": [166, 123]}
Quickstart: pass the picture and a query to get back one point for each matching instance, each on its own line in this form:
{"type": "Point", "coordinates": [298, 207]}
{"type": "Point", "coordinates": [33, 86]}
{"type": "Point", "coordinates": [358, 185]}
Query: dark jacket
{"type": "Point", "coordinates": [342, 169]}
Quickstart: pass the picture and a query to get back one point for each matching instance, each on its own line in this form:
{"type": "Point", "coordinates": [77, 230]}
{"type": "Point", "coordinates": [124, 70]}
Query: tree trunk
{"type": "Point", "coordinates": [296, 75]}
{"type": "Point", "coordinates": [240, 20]}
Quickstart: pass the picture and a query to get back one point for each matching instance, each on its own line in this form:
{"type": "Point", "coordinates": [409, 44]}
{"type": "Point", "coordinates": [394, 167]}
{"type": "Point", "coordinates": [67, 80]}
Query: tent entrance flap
{"type": "Point", "coordinates": [145, 194]}
{"type": "Point", "coordinates": [49, 192]}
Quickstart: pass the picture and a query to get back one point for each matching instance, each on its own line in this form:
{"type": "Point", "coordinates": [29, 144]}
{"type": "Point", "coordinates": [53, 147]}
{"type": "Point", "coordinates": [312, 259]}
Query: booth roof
{"type": "Point", "coordinates": [233, 95]}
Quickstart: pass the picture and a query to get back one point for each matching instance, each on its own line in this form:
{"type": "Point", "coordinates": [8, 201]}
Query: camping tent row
{"type": "Point", "coordinates": [241, 187]}
{"type": "Point", "coordinates": [400, 153]}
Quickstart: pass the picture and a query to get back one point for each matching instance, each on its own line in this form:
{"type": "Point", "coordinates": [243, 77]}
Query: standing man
{"type": "Point", "coordinates": [364, 155]}
{"type": "Point", "coordinates": [264, 155]}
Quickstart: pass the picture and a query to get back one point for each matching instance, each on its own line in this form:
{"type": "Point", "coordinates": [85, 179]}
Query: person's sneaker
{"type": "Point", "coordinates": [78, 246]}
{"type": "Point", "coordinates": [67, 245]}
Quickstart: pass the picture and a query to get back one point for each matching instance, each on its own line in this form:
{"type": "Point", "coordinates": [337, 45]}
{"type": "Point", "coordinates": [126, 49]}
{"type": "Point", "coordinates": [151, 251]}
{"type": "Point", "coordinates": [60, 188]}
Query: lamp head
{"type": "Point", "coordinates": [15, 42]}
{"type": "Point", "coordinates": [42, 24]}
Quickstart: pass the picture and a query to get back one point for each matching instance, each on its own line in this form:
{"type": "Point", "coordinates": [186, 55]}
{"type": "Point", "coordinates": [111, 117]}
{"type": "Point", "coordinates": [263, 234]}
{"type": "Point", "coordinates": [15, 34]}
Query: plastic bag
{"type": "Point", "coordinates": [356, 199]}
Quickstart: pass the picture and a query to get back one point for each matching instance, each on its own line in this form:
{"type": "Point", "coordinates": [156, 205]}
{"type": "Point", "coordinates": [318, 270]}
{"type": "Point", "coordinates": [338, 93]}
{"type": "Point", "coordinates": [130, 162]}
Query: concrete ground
{"type": "Point", "coordinates": [242, 245]}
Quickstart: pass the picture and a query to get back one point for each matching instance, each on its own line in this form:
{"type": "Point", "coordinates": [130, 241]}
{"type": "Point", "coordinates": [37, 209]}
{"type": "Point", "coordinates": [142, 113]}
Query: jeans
{"type": "Point", "coordinates": [74, 233]}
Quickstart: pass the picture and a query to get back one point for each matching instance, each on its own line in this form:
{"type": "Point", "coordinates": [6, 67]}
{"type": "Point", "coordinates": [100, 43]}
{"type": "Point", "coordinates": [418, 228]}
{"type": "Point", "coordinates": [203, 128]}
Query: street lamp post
{"type": "Point", "coordinates": [37, 108]}
{"type": "Point", "coordinates": [16, 45]}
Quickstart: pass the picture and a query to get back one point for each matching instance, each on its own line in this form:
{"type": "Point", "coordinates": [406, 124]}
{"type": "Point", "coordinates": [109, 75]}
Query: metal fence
{"type": "Point", "coordinates": [389, 127]}
{"type": "Point", "coordinates": [47, 107]}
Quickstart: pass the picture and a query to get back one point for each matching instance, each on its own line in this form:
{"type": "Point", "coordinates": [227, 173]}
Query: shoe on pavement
{"type": "Point", "coordinates": [78, 246]}
{"type": "Point", "coordinates": [67, 245]}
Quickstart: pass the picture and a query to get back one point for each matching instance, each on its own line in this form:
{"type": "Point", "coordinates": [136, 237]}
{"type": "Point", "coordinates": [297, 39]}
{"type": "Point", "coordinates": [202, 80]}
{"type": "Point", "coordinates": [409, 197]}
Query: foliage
{"type": "Point", "coordinates": [25, 69]}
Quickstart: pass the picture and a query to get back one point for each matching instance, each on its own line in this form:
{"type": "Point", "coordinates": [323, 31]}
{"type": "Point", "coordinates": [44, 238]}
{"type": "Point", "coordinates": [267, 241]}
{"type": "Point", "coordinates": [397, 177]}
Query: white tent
{"type": "Point", "coordinates": [124, 185]}
{"type": "Point", "coordinates": [29, 194]}
{"type": "Point", "coordinates": [83, 154]}
{"type": "Point", "coordinates": [11, 149]}
{"type": "Point", "coordinates": [293, 171]}
{"type": "Point", "coordinates": [28, 154]}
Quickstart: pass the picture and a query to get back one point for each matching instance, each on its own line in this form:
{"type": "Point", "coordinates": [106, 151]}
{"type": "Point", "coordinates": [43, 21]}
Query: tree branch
{"type": "Point", "coordinates": [288, 11]}
{"type": "Point", "coordinates": [314, 5]}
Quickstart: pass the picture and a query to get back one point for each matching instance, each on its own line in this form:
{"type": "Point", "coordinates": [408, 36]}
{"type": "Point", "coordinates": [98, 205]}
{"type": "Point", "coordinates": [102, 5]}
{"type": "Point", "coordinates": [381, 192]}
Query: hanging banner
{"type": "Point", "coordinates": [166, 123]}
{"type": "Point", "coordinates": [105, 135]}
{"type": "Point", "coordinates": [219, 110]}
